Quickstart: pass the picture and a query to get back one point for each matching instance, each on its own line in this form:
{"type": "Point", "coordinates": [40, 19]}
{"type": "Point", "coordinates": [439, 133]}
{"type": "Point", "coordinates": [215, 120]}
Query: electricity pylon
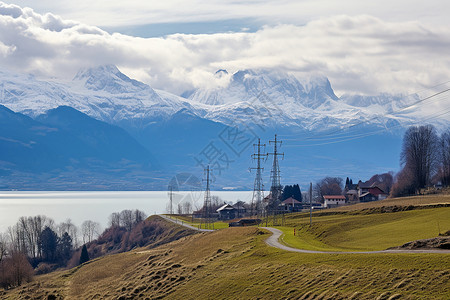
{"type": "Point", "coordinates": [258, 193]}
{"type": "Point", "coordinates": [206, 214]}
{"type": "Point", "coordinates": [276, 188]}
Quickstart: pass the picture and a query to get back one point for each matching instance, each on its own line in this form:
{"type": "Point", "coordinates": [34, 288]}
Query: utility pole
{"type": "Point", "coordinates": [276, 188]}
{"type": "Point", "coordinates": [310, 204]}
{"type": "Point", "coordinates": [207, 203]}
{"type": "Point", "coordinates": [170, 200]}
{"type": "Point", "coordinates": [258, 193]}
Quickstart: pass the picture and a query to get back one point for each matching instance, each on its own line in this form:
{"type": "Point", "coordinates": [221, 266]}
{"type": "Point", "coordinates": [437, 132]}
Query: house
{"type": "Point", "coordinates": [227, 212]}
{"type": "Point", "coordinates": [351, 192]}
{"type": "Point", "coordinates": [352, 196]}
{"type": "Point", "coordinates": [291, 205]}
{"type": "Point", "coordinates": [370, 192]}
{"type": "Point", "coordinates": [330, 201]}
{"type": "Point", "coordinates": [240, 210]}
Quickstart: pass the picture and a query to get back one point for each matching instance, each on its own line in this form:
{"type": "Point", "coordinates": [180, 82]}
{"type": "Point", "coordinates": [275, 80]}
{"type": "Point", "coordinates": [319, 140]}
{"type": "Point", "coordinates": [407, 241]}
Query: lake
{"type": "Point", "coordinates": [98, 205]}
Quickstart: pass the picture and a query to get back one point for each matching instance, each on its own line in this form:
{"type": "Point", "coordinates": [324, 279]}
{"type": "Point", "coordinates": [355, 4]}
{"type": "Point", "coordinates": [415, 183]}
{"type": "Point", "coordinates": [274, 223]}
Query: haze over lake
{"type": "Point", "coordinates": [96, 206]}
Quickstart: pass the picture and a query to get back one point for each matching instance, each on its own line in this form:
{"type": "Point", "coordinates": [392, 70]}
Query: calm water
{"type": "Point", "coordinates": [96, 206]}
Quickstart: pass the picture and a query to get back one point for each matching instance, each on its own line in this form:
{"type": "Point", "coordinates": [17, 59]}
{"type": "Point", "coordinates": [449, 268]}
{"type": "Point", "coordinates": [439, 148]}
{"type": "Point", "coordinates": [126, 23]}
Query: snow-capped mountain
{"type": "Point", "coordinates": [109, 79]}
{"type": "Point", "coordinates": [250, 97]}
{"type": "Point", "coordinates": [103, 93]}
{"type": "Point", "coordinates": [280, 87]}
{"type": "Point", "coordinates": [278, 98]}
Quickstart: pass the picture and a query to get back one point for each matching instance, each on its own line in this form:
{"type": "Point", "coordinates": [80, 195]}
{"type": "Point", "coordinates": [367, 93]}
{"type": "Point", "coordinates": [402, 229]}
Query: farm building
{"type": "Point", "coordinates": [330, 201]}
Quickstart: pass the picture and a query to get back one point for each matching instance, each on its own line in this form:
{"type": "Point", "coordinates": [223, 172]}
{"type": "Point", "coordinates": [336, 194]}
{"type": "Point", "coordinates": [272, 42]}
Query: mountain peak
{"type": "Point", "coordinates": [280, 86]}
{"type": "Point", "coordinates": [108, 78]}
{"type": "Point", "coordinates": [101, 69]}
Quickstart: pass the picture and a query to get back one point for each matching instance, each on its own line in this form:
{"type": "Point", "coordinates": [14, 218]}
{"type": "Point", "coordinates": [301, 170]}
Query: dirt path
{"type": "Point", "coordinates": [176, 221]}
{"type": "Point", "coordinates": [276, 234]}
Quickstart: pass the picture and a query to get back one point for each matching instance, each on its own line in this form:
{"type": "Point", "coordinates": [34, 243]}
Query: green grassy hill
{"type": "Point", "coordinates": [364, 230]}
{"type": "Point", "coordinates": [235, 263]}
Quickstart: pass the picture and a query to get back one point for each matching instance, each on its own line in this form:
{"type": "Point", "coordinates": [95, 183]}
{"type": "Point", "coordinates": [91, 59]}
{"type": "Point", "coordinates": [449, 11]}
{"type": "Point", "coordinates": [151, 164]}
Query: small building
{"type": "Point", "coordinates": [352, 196]}
{"type": "Point", "coordinates": [330, 201]}
{"type": "Point", "coordinates": [291, 205]}
{"type": "Point", "coordinates": [227, 212]}
{"type": "Point", "coordinates": [370, 192]}
{"type": "Point", "coordinates": [240, 210]}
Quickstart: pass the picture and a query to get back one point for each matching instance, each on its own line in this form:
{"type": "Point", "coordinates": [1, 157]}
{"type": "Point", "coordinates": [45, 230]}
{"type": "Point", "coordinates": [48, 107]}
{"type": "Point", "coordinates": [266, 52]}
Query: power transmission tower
{"type": "Point", "coordinates": [206, 215]}
{"type": "Point", "coordinates": [276, 188]}
{"type": "Point", "coordinates": [258, 193]}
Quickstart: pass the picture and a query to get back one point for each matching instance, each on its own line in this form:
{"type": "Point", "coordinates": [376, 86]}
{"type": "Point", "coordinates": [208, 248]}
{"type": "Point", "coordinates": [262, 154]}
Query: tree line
{"type": "Point", "coordinates": [38, 245]}
{"type": "Point", "coordinates": [425, 160]}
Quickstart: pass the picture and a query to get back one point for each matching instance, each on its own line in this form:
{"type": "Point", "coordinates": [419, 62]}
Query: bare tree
{"type": "Point", "coordinates": [419, 154]}
{"type": "Point", "coordinates": [25, 235]}
{"type": "Point", "coordinates": [71, 229]}
{"type": "Point", "coordinates": [328, 186]}
{"type": "Point", "coordinates": [139, 216]}
{"type": "Point", "coordinates": [187, 207]}
{"type": "Point", "coordinates": [216, 201]}
{"type": "Point", "coordinates": [114, 220]}
{"type": "Point", "coordinates": [90, 230]}
{"type": "Point", "coordinates": [15, 270]}
{"type": "Point", "coordinates": [3, 246]}
{"type": "Point", "coordinates": [127, 219]}
{"type": "Point", "coordinates": [445, 158]}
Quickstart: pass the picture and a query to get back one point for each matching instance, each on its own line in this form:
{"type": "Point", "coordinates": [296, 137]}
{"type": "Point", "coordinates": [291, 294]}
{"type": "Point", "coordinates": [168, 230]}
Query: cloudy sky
{"type": "Point", "coordinates": [366, 47]}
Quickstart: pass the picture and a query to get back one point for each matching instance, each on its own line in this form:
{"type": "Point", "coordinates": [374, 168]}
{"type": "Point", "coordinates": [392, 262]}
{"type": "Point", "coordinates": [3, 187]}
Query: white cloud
{"type": "Point", "coordinates": [360, 54]}
{"type": "Point", "coordinates": [135, 12]}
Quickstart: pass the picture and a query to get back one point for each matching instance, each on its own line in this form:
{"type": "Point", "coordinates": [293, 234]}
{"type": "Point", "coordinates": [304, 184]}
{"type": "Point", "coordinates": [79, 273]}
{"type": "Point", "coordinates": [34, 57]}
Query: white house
{"type": "Point", "coordinates": [330, 201]}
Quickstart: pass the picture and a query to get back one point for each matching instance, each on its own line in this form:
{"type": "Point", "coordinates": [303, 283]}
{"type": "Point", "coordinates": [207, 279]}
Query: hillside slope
{"type": "Point", "coordinates": [235, 263]}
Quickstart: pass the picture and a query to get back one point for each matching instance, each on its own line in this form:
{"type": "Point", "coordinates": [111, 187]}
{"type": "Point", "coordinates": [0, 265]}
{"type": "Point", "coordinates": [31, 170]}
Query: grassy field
{"type": "Point", "coordinates": [404, 201]}
{"type": "Point", "coordinates": [235, 263]}
{"type": "Point", "coordinates": [375, 231]}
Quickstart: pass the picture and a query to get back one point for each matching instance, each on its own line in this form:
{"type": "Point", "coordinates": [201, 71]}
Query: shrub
{"type": "Point", "coordinates": [15, 270]}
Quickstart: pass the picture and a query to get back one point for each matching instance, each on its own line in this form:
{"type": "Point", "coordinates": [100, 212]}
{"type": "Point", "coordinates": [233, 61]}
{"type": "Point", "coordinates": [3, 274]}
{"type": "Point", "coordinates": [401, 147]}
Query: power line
{"type": "Point", "coordinates": [359, 136]}
{"type": "Point", "coordinates": [333, 133]}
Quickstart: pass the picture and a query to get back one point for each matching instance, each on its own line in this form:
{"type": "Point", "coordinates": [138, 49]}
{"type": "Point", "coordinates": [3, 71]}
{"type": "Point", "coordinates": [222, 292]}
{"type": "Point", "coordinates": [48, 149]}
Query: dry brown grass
{"type": "Point", "coordinates": [404, 201]}
{"type": "Point", "coordinates": [236, 264]}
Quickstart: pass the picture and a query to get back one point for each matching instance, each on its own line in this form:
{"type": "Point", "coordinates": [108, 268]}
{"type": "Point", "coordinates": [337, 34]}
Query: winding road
{"type": "Point", "coordinates": [273, 241]}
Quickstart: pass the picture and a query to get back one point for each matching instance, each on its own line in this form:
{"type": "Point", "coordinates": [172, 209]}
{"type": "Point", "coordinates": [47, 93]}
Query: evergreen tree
{"type": "Point", "coordinates": [49, 244]}
{"type": "Point", "coordinates": [292, 191]}
{"type": "Point", "coordinates": [84, 257]}
{"type": "Point", "coordinates": [65, 246]}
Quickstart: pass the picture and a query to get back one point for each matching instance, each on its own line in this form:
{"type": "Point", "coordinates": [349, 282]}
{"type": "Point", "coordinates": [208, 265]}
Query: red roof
{"type": "Point", "coordinates": [334, 197]}
{"type": "Point", "coordinates": [291, 200]}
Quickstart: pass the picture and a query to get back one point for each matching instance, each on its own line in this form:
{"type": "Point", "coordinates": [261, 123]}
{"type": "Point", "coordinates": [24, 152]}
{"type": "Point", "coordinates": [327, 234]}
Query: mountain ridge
{"type": "Point", "coordinates": [107, 94]}
{"type": "Point", "coordinates": [184, 135]}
